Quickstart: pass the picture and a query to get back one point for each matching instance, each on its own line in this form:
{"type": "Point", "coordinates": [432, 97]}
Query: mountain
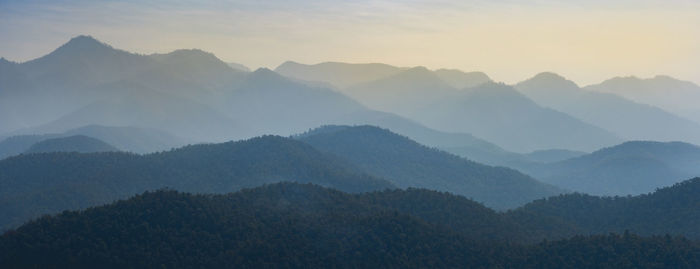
{"type": "Point", "coordinates": [83, 61]}
{"type": "Point", "coordinates": [430, 98]}
{"type": "Point", "coordinates": [671, 210]}
{"type": "Point", "coordinates": [194, 95]}
{"type": "Point", "coordinates": [283, 106]}
{"type": "Point", "coordinates": [16, 145]}
{"type": "Point", "coordinates": [131, 139]}
{"type": "Point", "coordinates": [36, 184]}
{"type": "Point", "coordinates": [553, 155]}
{"type": "Point", "coordinates": [403, 93]}
{"type": "Point", "coordinates": [667, 93]}
{"type": "Point", "coordinates": [408, 164]}
{"type": "Point", "coordinates": [630, 168]}
{"type": "Point", "coordinates": [302, 226]}
{"type": "Point", "coordinates": [189, 73]}
{"type": "Point", "coordinates": [460, 80]}
{"type": "Point", "coordinates": [147, 108]}
{"type": "Point", "coordinates": [340, 75]}
{"type": "Point", "coordinates": [500, 114]}
{"type": "Point", "coordinates": [87, 72]}
{"type": "Point", "coordinates": [239, 67]}
{"type": "Point", "coordinates": [76, 143]}
{"type": "Point", "coordinates": [627, 119]}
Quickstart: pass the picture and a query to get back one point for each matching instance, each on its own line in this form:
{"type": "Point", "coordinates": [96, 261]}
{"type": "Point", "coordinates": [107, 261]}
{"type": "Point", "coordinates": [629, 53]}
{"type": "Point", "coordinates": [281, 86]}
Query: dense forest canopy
{"type": "Point", "coordinates": [293, 225]}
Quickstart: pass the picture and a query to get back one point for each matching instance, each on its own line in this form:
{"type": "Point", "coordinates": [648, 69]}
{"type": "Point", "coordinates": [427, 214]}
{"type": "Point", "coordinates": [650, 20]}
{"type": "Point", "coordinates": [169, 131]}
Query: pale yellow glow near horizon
{"type": "Point", "coordinates": [509, 43]}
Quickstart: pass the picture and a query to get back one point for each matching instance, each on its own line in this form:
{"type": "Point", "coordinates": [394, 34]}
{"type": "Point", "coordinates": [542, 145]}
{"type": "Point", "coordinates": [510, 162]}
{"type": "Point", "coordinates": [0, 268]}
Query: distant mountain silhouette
{"type": "Point", "coordinates": [341, 75]}
{"type": "Point", "coordinates": [461, 80]}
{"type": "Point", "coordinates": [553, 155]}
{"type": "Point", "coordinates": [131, 139]}
{"type": "Point", "coordinates": [677, 96]}
{"type": "Point", "coordinates": [192, 74]}
{"type": "Point", "coordinates": [16, 145]}
{"type": "Point", "coordinates": [627, 119]}
{"type": "Point", "coordinates": [76, 143]}
{"type": "Point", "coordinates": [502, 115]}
{"type": "Point", "coordinates": [409, 164]}
{"type": "Point", "coordinates": [403, 93]}
{"type": "Point", "coordinates": [267, 102]}
{"type": "Point", "coordinates": [239, 67]}
{"type": "Point", "coordinates": [630, 168]}
{"type": "Point", "coordinates": [144, 107]}
{"type": "Point", "coordinates": [36, 184]}
{"type": "Point", "coordinates": [85, 71]}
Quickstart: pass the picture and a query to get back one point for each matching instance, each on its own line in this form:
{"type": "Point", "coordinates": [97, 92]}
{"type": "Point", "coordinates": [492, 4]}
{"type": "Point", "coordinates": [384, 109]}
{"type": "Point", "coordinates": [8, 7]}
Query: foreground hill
{"type": "Point", "coordinates": [671, 210]}
{"type": "Point", "coordinates": [409, 164]}
{"type": "Point", "coordinates": [635, 167]}
{"type": "Point", "coordinates": [36, 184]}
{"type": "Point", "coordinates": [291, 225]}
{"type": "Point", "coordinates": [76, 143]}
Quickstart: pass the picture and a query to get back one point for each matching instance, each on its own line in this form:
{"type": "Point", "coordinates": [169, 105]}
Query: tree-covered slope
{"type": "Point", "coordinates": [672, 210]}
{"type": "Point", "coordinates": [409, 164]}
{"type": "Point", "coordinates": [300, 226]}
{"type": "Point", "coordinates": [35, 184]}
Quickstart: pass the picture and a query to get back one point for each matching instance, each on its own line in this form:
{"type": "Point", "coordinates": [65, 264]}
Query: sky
{"type": "Point", "coordinates": [510, 40]}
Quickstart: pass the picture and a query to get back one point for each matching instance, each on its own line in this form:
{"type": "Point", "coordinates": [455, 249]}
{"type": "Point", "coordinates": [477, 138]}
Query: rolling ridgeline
{"type": "Point", "coordinates": [411, 167]}
{"type": "Point", "coordinates": [293, 225]}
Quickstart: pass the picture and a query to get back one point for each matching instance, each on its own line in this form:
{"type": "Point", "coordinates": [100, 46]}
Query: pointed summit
{"type": "Point", "coordinates": [549, 80]}
{"type": "Point", "coordinates": [547, 84]}
{"type": "Point", "coordinates": [84, 43]}
{"type": "Point", "coordinates": [83, 46]}
{"type": "Point", "coordinates": [264, 78]}
{"type": "Point", "coordinates": [264, 73]}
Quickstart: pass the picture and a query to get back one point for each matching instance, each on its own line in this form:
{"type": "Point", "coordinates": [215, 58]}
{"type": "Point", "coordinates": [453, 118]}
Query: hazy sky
{"type": "Point", "coordinates": [511, 40]}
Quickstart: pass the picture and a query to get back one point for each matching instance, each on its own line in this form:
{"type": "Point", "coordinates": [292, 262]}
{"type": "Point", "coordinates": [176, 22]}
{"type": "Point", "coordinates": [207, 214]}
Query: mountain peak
{"type": "Point", "coordinates": [288, 63]}
{"type": "Point", "coordinates": [548, 80]}
{"type": "Point", "coordinates": [265, 76]}
{"type": "Point", "coordinates": [418, 73]}
{"type": "Point", "coordinates": [83, 42]}
{"type": "Point", "coordinates": [190, 56]}
{"type": "Point", "coordinates": [264, 71]}
{"type": "Point", "coordinates": [548, 75]}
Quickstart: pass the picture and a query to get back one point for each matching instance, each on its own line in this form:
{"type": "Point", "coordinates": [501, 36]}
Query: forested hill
{"type": "Point", "coordinates": [300, 226]}
{"type": "Point", "coordinates": [671, 210]}
{"type": "Point", "coordinates": [35, 184]}
{"type": "Point", "coordinates": [409, 164]}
